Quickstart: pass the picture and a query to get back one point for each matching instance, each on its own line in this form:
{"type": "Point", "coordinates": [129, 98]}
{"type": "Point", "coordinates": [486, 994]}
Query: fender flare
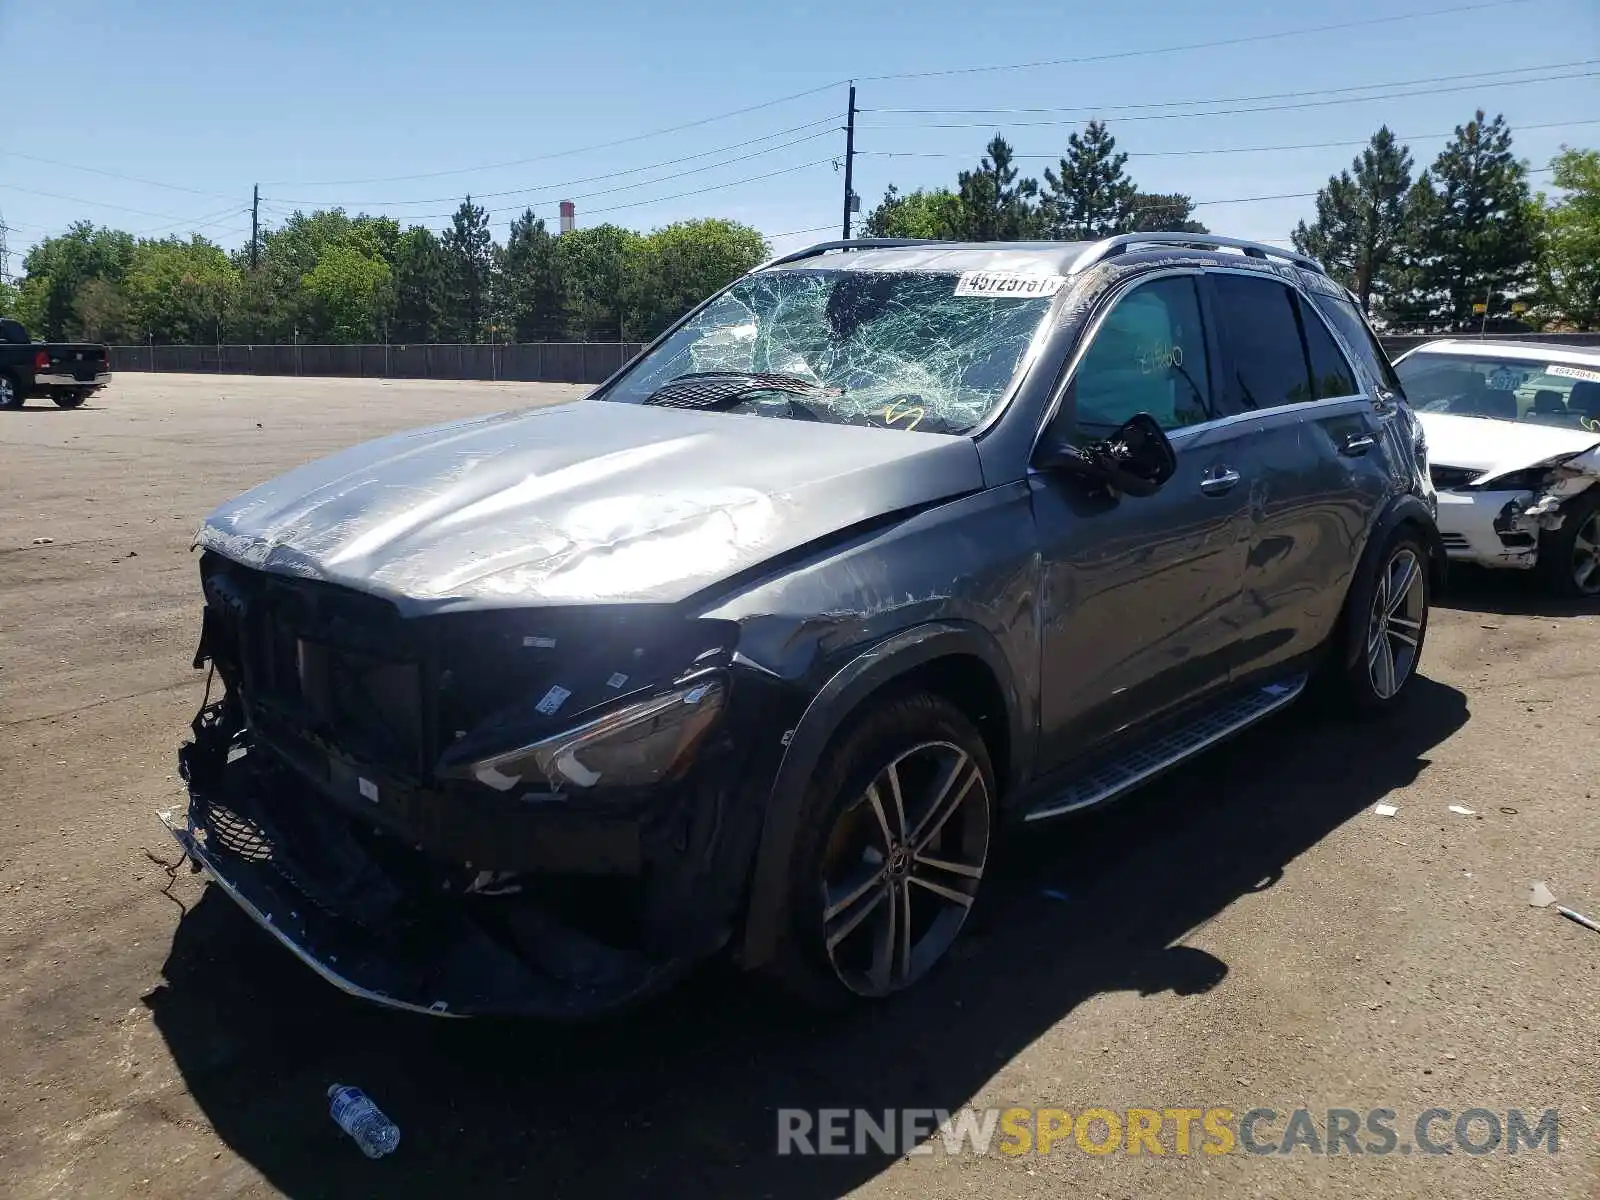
{"type": "Point", "coordinates": [1404, 508]}
{"type": "Point", "coordinates": [853, 683]}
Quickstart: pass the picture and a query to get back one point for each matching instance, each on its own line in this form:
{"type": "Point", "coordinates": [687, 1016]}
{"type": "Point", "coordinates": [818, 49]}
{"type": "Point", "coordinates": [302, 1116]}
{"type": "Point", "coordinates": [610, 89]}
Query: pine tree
{"type": "Point", "coordinates": [1162, 212]}
{"type": "Point", "coordinates": [995, 205]}
{"type": "Point", "coordinates": [532, 307]}
{"type": "Point", "coordinates": [469, 251]}
{"type": "Point", "coordinates": [421, 287]}
{"type": "Point", "coordinates": [1470, 233]}
{"type": "Point", "coordinates": [1092, 197]}
{"type": "Point", "coordinates": [1361, 218]}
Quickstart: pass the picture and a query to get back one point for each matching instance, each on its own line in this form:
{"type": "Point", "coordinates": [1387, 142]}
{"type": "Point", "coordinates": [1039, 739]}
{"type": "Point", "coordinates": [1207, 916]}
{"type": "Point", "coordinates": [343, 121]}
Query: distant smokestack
{"type": "Point", "coordinates": [569, 216]}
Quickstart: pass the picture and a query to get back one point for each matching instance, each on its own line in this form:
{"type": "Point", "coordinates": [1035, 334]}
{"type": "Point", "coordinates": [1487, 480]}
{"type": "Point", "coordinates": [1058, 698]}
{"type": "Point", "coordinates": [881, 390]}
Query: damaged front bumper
{"type": "Point", "coordinates": [366, 917]}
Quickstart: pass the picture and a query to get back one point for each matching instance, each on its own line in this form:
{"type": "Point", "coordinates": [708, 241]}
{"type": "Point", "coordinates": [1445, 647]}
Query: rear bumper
{"type": "Point", "coordinates": [72, 381]}
{"type": "Point", "coordinates": [300, 872]}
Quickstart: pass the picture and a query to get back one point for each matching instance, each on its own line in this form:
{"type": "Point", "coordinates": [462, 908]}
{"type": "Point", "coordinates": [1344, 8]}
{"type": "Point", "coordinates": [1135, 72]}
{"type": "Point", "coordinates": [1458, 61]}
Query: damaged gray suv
{"type": "Point", "coordinates": [758, 648]}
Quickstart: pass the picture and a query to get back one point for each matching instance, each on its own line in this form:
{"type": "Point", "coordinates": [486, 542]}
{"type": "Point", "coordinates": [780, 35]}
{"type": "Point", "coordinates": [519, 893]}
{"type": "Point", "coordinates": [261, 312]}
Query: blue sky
{"type": "Point", "coordinates": [403, 107]}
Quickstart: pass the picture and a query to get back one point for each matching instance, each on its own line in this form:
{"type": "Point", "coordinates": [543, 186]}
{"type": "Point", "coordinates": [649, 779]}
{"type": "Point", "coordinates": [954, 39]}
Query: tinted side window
{"type": "Point", "coordinates": [1330, 373]}
{"type": "Point", "coordinates": [1149, 355]}
{"type": "Point", "coordinates": [1358, 336]}
{"type": "Point", "coordinates": [1262, 333]}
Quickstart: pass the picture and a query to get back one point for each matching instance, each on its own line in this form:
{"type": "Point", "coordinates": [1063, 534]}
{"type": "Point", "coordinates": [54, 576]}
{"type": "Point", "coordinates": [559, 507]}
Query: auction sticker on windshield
{"type": "Point", "coordinates": [1573, 372]}
{"type": "Point", "coordinates": [1007, 283]}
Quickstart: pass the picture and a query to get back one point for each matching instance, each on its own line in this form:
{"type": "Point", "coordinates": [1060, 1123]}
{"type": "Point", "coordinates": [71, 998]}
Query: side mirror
{"type": "Point", "coordinates": [1136, 460]}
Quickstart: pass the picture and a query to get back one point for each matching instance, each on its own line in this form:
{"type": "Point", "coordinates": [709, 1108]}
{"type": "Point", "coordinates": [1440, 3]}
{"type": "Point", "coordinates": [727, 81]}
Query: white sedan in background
{"type": "Point", "coordinates": [1513, 433]}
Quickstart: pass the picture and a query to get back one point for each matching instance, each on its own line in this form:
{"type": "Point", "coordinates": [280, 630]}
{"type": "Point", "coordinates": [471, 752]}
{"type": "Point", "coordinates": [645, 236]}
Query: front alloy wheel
{"type": "Point", "coordinates": [901, 868]}
{"type": "Point", "coordinates": [1394, 629]}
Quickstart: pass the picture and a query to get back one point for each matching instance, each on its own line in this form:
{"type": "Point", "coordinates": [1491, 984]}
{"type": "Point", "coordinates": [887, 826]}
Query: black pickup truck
{"type": "Point", "coordinates": [68, 372]}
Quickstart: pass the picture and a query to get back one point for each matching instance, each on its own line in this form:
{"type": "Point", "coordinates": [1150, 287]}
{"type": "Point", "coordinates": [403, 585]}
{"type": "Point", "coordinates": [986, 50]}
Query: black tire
{"type": "Point", "coordinates": [1357, 670]}
{"type": "Point", "coordinates": [10, 391]}
{"type": "Point", "coordinates": [69, 399]}
{"type": "Point", "coordinates": [1561, 550]}
{"type": "Point", "coordinates": [906, 867]}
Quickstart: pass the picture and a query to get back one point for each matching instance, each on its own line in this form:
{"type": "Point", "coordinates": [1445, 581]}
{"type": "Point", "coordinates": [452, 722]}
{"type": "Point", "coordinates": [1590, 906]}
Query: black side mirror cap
{"type": "Point", "coordinates": [1136, 460]}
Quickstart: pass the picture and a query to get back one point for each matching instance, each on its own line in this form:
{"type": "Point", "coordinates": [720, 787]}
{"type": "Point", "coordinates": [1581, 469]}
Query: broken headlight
{"type": "Point", "coordinates": [649, 742]}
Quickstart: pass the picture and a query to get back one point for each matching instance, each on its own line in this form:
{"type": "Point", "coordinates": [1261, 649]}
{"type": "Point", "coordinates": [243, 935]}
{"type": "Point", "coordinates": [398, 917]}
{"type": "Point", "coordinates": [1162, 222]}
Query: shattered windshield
{"type": "Point", "coordinates": [903, 350]}
{"type": "Point", "coordinates": [1531, 390]}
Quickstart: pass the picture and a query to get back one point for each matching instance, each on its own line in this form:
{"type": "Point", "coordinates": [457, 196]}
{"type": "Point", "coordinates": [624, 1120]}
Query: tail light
{"type": "Point", "coordinates": [41, 361]}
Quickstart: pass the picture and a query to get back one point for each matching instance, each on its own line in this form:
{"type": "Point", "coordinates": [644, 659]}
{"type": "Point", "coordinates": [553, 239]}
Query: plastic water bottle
{"type": "Point", "coordinates": [356, 1114]}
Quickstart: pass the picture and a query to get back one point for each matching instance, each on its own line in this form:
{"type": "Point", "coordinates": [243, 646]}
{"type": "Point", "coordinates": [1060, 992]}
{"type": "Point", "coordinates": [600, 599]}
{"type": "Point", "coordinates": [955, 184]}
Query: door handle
{"type": "Point", "coordinates": [1220, 481]}
{"type": "Point", "coordinates": [1357, 444]}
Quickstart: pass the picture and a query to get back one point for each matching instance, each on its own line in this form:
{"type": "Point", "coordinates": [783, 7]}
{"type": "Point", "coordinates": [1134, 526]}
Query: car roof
{"type": "Point", "coordinates": [1546, 351]}
{"type": "Point", "coordinates": [1047, 258]}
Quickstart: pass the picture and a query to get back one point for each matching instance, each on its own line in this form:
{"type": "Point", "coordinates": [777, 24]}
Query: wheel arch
{"type": "Point", "coordinates": [938, 655]}
{"type": "Point", "coordinates": [1402, 511]}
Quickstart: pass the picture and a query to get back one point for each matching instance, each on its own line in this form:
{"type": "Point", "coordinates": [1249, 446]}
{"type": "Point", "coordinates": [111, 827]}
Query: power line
{"type": "Point", "coordinates": [1116, 55]}
{"type": "Point", "coordinates": [638, 137]}
{"type": "Point", "coordinates": [558, 189]}
{"type": "Point", "coordinates": [1402, 137]}
{"type": "Point", "coordinates": [1364, 87]}
{"type": "Point", "coordinates": [172, 187]}
{"type": "Point", "coordinates": [1170, 116]}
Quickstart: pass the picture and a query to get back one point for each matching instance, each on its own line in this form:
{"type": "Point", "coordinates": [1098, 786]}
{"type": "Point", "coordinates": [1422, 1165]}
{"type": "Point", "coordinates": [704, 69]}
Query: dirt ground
{"type": "Point", "coordinates": [1247, 933]}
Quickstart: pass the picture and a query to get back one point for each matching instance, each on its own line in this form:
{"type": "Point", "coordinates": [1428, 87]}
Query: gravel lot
{"type": "Point", "coordinates": [1247, 933]}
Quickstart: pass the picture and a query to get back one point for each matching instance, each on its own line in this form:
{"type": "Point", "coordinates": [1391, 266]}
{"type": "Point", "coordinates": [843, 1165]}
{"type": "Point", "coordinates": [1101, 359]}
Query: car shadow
{"type": "Point", "coordinates": [684, 1093]}
{"type": "Point", "coordinates": [1509, 593]}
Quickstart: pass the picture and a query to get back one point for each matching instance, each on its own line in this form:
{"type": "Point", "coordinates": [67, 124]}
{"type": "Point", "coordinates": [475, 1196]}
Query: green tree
{"type": "Point", "coordinates": [470, 255]}
{"type": "Point", "coordinates": [594, 262]}
{"type": "Point", "coordinates": [673, 269]}
{"type": "Point", "coordinates": [180, 291]}
{"type": "Point", "coordinates": [532, 304]}
{"type": "Point", "coordinates": [57, 267]}
{"type": "Point", "coordinates": [1569, 259]}
{"type": "Point", "coordinates": [1361, 218]}
{"type": "Point", "coordinates": [103, 314]}
{"type": "Point", "coordinates": [1091, 197]}
{"type": "Point", "coordinates": [9, 298]}
{"type": "Point", "coordinates": [421, 287]}
{"type": "Point", "coordinates": [1470, 233]}
{"type": "Point", "coordinates": [995, 204]}
{"type": "Point", "coordinates": [1163, 212]}
{"type": "Point", "coordinates": [349, 294]}
{"type": "Point", "coordinates": [934, 213]}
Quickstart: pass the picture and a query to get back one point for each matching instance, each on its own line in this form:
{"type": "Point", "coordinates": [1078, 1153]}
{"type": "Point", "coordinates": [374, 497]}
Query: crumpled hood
{"type": "Point", "coordinates": [585, 502]}
{"type": "Point", "coordinates": [1495, 446]}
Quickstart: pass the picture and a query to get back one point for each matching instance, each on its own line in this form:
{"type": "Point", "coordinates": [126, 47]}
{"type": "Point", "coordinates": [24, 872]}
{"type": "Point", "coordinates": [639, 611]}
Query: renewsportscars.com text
{"type": "Point", "coordinates": [1178, 1132]}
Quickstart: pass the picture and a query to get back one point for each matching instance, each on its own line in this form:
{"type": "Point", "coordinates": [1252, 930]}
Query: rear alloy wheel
{"type": "Point", "coordinates": [1384, 625]}
{"type": "Point", "coordinates": [1569, 557]}
{"type": "Point", "coordinates": [895, 841]}
{"type": "Point", "coordinates": [1394, 628]}
{"type": "Point", "coordinates": [10, 394]}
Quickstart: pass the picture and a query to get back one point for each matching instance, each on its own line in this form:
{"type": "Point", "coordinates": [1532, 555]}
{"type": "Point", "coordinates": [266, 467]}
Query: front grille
{"type": "Point", "coordinates": [323, 660]}
{"type": "Point", "coordinates": [1447, 478]}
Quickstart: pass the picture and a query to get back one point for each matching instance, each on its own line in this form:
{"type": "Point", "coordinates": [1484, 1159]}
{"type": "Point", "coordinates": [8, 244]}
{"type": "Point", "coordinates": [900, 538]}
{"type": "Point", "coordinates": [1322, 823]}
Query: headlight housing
{"type": "Point", "coordinates": [641, 744]}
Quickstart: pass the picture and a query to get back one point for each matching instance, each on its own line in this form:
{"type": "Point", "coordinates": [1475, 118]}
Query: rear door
{"type": "Point", "coordinates": [1316, 462]}
{"type": "Point", "coordinates": [1140, 594]}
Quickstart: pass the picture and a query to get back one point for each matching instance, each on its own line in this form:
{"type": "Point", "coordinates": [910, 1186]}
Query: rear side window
{"type": "Point", "coordinates": [1330, 372]}
{"type": "Point", "coordinates": [1261, 330]}
{"type": "Point", "coordinates": [1149, 355]}
{"type": "Point", "coordinates": [1358, 336]}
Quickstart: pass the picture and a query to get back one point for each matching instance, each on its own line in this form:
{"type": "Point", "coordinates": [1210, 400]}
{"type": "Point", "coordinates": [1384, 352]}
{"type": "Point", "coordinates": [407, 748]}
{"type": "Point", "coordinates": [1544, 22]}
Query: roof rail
{"type": "Point", "coordinates": [1112, 246]}
{"type": "Point", "coordinates": [851, 244]}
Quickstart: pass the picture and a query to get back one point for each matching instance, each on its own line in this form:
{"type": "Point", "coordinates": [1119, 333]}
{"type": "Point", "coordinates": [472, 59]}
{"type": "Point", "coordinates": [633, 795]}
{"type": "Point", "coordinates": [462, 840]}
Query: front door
{"type": "Point", "coordinates": [1140, 595]}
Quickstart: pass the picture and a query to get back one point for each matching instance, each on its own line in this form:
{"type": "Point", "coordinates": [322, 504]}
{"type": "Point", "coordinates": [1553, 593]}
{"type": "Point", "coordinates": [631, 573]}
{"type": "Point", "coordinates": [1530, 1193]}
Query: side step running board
{"type": "Point", "coordinates": [1138, 766]}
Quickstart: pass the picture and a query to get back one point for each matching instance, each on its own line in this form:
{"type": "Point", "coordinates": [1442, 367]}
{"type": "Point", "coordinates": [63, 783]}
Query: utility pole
{"type": "Point", "coordinates": [849, 161]}
{"type": "Point", "coordinates": [255, 223]}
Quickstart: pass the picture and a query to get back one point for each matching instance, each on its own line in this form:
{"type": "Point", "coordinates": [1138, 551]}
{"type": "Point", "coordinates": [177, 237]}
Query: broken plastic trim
{"type": "Point", "coordinates": [636, 746]}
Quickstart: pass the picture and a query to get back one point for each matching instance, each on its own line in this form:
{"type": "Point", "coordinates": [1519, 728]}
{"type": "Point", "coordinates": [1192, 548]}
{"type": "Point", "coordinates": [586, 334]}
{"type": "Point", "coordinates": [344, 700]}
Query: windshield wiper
{"type": "Point", "coordinates": [724, 389]}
